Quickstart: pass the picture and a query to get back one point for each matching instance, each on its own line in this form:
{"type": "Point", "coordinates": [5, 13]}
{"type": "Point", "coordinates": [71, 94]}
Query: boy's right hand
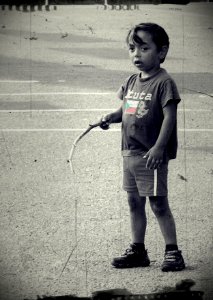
{"type": "Point", "coordinates": [105, 122]}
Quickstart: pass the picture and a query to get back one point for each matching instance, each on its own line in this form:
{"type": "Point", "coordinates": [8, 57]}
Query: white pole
{"type": "Point", "coordinates": [46, 2]}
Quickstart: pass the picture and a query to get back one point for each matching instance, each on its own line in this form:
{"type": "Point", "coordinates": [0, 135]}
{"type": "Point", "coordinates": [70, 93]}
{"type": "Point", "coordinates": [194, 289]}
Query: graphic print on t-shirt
{"type": "Point", "coordinates": [137, 103]}
{"type": "Point", "coordinates": [131, 106]}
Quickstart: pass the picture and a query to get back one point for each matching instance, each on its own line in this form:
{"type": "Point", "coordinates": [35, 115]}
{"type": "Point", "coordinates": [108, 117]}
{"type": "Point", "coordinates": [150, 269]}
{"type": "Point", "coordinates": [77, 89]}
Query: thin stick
{"type": "Point", "coordinates": [76, 142]}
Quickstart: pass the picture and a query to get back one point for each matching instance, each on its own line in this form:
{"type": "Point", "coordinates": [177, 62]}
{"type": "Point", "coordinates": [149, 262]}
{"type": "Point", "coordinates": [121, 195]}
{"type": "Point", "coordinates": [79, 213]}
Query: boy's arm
{"type": "Point", "coordinates": [114, 117]}
{"type": "Point", "coordinates": [155, 154]}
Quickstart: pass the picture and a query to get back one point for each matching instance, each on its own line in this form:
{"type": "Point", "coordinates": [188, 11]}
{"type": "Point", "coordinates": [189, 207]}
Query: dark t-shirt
{"type": "Point", "coordinates": [143, 103]}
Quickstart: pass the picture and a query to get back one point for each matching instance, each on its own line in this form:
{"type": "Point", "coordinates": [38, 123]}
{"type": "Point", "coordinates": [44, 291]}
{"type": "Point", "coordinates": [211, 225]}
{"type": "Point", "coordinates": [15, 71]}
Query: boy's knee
{"type": "Point", "coordinates": [135, 201]}
{"type": "Point", "coordinates": [159, 206]}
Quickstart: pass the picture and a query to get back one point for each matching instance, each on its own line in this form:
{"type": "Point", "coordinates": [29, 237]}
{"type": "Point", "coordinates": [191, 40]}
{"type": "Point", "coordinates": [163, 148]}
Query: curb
{"type": "Point", "coordinates": [28, 8]}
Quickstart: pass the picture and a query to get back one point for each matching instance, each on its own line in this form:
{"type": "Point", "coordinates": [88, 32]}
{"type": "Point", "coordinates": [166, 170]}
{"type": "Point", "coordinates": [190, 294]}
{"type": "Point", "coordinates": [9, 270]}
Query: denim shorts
{"type": "Point", "coordinates": [136, 177]}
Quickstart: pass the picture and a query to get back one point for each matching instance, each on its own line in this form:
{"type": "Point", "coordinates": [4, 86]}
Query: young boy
{"type": "Point", "coordinates": [149, 140]}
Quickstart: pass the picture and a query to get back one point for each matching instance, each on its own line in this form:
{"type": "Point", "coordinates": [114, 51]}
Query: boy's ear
{"type": "Point", "coordinates": [163, 52]}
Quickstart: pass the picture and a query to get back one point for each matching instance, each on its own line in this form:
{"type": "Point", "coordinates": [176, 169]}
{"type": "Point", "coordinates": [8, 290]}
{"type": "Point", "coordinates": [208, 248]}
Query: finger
{"type": "Point", "coordinates": [148, 159]}
{"type": "Point", "coordinates": [154, 164]}
{"type": "Point", "coordinates": [103, 119]}
{"type": "Point", "coordinates": [149, 163]}
{"type": "Point", "coordinates": [158, 163]}
{"type": "Point", "coordinates": [104, 125]}
{"type": "Point", "coordinates": [146, 155]}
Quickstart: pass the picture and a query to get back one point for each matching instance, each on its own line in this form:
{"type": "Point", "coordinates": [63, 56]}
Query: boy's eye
{"type": "Point", "coordinates": [131, 48]}
{"type": "Point", "coordinates": [144, 48]}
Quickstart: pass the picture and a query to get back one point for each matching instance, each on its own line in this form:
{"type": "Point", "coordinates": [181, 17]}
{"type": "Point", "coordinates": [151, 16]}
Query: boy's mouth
{"type": "Point", "coordinates": [138, 63]}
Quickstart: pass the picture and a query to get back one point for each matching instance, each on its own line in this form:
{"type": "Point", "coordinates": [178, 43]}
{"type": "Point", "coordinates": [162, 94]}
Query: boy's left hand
{"type": "Point", "coordinates": [155, 157]}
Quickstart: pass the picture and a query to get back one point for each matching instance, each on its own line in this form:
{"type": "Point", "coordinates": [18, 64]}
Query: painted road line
{"type": "Point", "coordinates": [194, 109]}
{"type": "Point", "coordinates": [83, 129]}
{"type": "Point", "coordinates": [63, 93]}
{"type": "Point", "coordinates": [55, 93]}
{"type": "Point", "coordinates": [195, 129]}
{"type": "Point", "coordinates": [55, 110]}
{"type": "Point", "coordinates": [19, 81]}
{"type": "Point", "coordinates": [28, 81]}
{"type": "Point", "coordinates": [52, 130]}
{"type": "Point", "coordinates": [86, 110]}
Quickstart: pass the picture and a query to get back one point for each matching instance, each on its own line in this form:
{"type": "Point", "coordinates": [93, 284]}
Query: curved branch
{"type": "Point", "coordinates": [76, 142]}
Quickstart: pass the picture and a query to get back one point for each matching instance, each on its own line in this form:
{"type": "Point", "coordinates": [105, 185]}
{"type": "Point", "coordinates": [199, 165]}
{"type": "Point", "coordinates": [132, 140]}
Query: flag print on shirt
{"type": "Point", "coordinates": [131, 106]}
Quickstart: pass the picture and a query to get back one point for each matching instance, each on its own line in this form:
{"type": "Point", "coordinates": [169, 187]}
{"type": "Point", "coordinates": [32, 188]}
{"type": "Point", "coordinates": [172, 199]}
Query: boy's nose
{"type": "Point", "coordinates": [137, 52]}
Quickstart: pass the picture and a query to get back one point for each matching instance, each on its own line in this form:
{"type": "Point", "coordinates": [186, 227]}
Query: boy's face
{"type": "Point", "coordinates": [146, 57]}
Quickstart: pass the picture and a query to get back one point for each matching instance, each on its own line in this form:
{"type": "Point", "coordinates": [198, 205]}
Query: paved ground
{"type": "Point", "coordinates": [59, 72]}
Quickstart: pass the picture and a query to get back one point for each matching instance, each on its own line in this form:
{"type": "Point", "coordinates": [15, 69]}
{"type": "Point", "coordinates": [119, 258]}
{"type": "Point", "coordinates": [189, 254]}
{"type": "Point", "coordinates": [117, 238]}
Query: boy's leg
{"type": "Point", "coordinates": [137, 216]}
{"type": "Point", "coordinates": [136, 255]}
{"type": "Point", "coordinates": [161, 209]}
{"type": "Point", "coordinates": [173, 260]}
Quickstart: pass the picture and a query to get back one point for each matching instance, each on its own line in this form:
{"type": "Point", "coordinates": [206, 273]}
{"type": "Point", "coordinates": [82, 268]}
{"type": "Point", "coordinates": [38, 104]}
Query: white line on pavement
{"type": "Point", "coordinates": [61, 93]}
{"type": "Point", "coordinates": [195, 129]}
{"type": "Point", "coordinates": [82, 129]}
{"type": "Point", "coordinates": [85, 110]}
{"type": "Point", "coordinates": [56, 93]}
{"type": "Point", "coordinates": [50, 129]}
{"type": "Point", "coordinates": [19, 81]}
{"type": "Point", "coordinates": [27, 81]}
{"type": "Point", "coordinates": [54, 110]}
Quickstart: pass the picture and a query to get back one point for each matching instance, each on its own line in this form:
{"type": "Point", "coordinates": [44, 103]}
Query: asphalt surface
{"type": "Point", "coordinates": [59, 72]}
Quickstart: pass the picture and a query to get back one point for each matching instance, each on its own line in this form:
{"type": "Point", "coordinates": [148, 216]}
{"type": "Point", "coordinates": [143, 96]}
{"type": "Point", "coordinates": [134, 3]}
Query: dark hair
{"type": "Point", "coordinates": [158, 34]}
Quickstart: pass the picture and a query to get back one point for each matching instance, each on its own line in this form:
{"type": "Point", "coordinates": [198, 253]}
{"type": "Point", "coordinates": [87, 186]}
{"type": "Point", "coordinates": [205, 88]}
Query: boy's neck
{"type": "Point", "coordinates": [144, 75]}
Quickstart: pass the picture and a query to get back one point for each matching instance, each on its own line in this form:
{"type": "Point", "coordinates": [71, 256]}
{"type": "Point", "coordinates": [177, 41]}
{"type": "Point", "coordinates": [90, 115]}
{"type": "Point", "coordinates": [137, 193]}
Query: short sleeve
{"type": "Point", "coordinates": [120, 92]}
{"type": "Point", "coordinates": [169, 92]}
{"type": "Point", "coordinates": [124, 87]}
